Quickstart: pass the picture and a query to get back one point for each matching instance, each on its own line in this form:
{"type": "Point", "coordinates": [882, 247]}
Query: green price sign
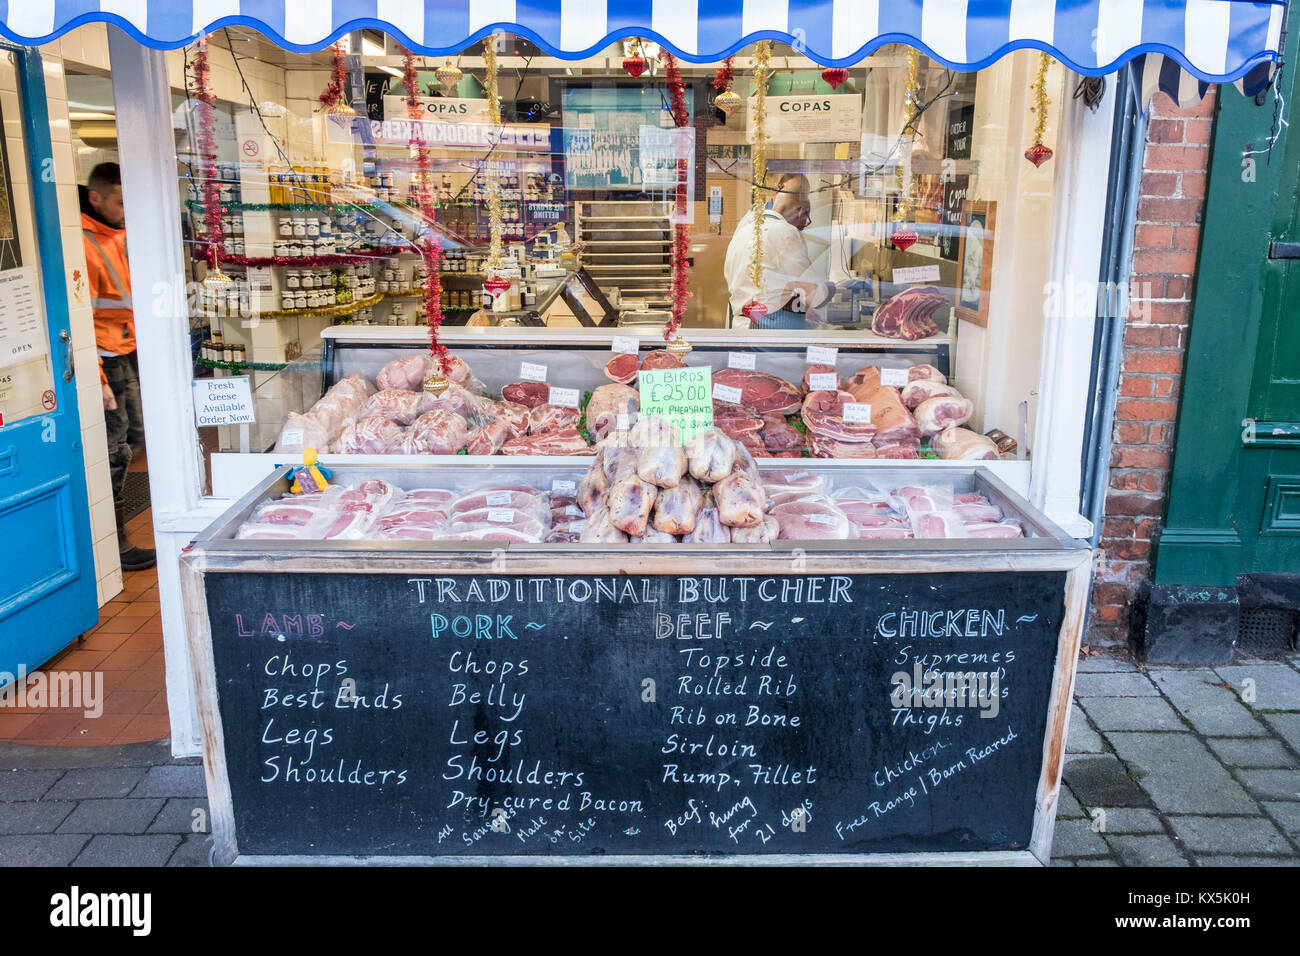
{"type": "Point", "coordinates": [683, 396]}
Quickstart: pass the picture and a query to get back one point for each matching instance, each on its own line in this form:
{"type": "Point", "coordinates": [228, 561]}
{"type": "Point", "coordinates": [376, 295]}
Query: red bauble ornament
{"type": "Point", "coordinates": [754, 311]}
{"type": "Point", "coordinates": [1038, 154]}
{"type": "Point", "coordinates": [835, 75]}
{"type": "Point", "coordinates": [497, 286]}
{"type": "Point", "coordinates": [635, 65]}
{"type": "Point", "coordinates": [902, 239]}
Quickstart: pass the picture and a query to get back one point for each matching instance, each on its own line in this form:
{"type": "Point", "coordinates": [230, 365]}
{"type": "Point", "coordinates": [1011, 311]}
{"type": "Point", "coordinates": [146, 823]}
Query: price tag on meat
{"type": "Point", "coordinates": [625, 344]}
{"type": "Point", "coordinates": [496, 499]}
{"type": "Point", "coordinates": [823, 382]}
{"type": "Point", "coordinates": [621, 423]}
{"type": "Point", "coordinates": [531, 372]}
{"type": "Point", "coordinates": [726, 393]}
{"type": "Point", "coordinates": [500, 515]}
{"type": "Point", "coordinates": [561, 487]}
{"type": "Point", "coordinates": [741, 360]}
{"type": "Point", "coordinates": [683, 396]}
{"type": "Point", "coordinates": [573, 511]}
{"type": "Point", "coordinates": [292, 438]}
{"type": "Point", "coordinates": [563, 397]}
{"type": "Point", "coordinates": [857, 413]}
{"type": "Point", "coordinates": [821, 355]}
{"type": "Point", "coordinates": [894, 377]}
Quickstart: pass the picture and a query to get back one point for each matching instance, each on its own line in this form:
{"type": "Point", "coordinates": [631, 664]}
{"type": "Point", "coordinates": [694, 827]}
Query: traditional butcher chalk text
{"type": "Point", "coordinates": [946, 689]}
{"type": "Point", "coordinates": [964, 622]}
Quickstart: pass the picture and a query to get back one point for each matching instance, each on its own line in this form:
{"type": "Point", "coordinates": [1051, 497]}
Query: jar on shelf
{"type": "Point", "coordinates": [313, 227]}
{"type": "Point", "coordinates": [292, 279]}
{"type": "Point", "coordinates": [288, 300]}
{"type": "Point", "coordinates": [241, 355]}
{"type": "Point", "coordinates": [299, 227]}
{"type": "Point", "coordinates": [325, 227]}
{"type": "Point", "coordinates": [227, 353]}
{"type": "Point", "coordinates": [286, 228]}
{"type": "Point", "coordinates": [280, 248]}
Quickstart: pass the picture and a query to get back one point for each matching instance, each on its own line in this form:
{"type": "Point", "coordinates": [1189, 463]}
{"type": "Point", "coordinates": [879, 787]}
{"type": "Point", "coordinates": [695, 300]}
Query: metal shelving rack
{"type": "Point", "coordinates": [628, 247]}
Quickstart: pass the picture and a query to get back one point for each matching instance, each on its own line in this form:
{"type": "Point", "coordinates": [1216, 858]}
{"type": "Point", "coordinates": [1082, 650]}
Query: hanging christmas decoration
{"type": "Point", "coordinates": [755, 309]}
{"type": "Point", "coordinates": [727, 101]}
{"type": "Point", "coordinates": [427, 240]}
{"type": "Point", "coordinates": [1038, 153]}
{"type": "Point", "coordinates": [206, 137]}
{"type": "Point", "coordinates": [635, 64]}
{"type": "Point", "coordinates": [333, 99]}
{"type": "Point", "coordinates": [904, 236]}
{"type": "Point", "coordinates": [449, 76]}
{"type": "Point", "coordinates": [724, 75]}
{"type": "Point", "coordinates": [681, 230]}
{"type": "Point", "coordinates": [835, 75]}
{"type": "Point", "coordinates": [491, 86]}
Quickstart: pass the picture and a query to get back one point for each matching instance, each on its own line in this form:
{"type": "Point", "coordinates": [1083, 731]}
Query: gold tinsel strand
{"type": "Point", "coordinates": [906, 205]}
{"type": "Point", "coordinates": [1041, 102]}
{"type": "Point", "coordinates": [494, 119]}
{"type": "Point", "coordinates": [762, 55]}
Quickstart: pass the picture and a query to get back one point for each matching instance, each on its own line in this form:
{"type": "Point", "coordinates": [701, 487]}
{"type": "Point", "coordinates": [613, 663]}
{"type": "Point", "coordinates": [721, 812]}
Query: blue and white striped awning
{"type": "Point", "coordinates": [1155, 73]}
{"type": "Point", "coordinates": [1216, 40]}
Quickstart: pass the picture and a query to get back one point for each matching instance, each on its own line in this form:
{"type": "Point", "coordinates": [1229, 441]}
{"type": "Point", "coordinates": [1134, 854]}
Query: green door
{"type": "Point", "coordinates": [1234, 502]}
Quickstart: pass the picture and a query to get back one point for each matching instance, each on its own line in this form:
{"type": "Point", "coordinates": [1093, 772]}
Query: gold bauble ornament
{"type": "Point", "coordinates": [678, 348]}
{"type": "Point", "coordinates": [728, 101]}
{"type": "Point", "coordinates": [436, 385]}
{"type": "Point", "coordinates": [449, 76]}
{"type": "Point", "coordinates": [216, 279]}
{"type": "Point", "coordinates": [339, 108]}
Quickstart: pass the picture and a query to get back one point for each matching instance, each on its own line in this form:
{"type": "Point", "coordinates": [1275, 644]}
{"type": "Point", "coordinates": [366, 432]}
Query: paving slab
{"type": "Point", "coordinates": [111, 816]}
{"type": "Point", "coordinates": [1131, 713]}
{"type": "Point", "coordinates": [1103, 664]}
{"type": "Point", "coordinates": [1277, 685]}
{"type": "Point", "coordinates": [1181, 775]}
{"type": "Point", "coordinates": [195, 850]}
{"type": "Point", "coordinates": [1131, 820]}
{"type": "Point", "coordinates": [1286, 726]}
{"type": "Point", "coordinates": [48, 849]}
{"type": "Point", "coordinates": [1249, 835]}
{"type": "Point", "coordinates": [1285, 815]}
{"type": "Point", "coordinates": [1245, 861]}
{"type": "Point", "coordinates": [1102, 781]}
{"type": "Point", "coordinates": [172, 782]}
{"type": "Point", "coordinates": [144, 850]}
{"type": "Point", "coordinates": [1251, 752]}
{"type": "Point", "coordinates": [97, 782]}
{"type": "Point", "coordinates": [33, 816]}
{"type": "Point", "coordinates": [1146, 850]}
{"type": "Point", "coordinates": [1077, 838]}
{"type": "Point", "coordinates": [1081, 738]}
{"type": "Point", "coordinates": [1114, 684]}
{"type": "Point", "coordinates": [1067, 808]}
{"type": "Point", "coordinates": [177, 816]}
{"type": "Point", "coordinates": [1214, 711]}
{"type": "Point", "coordinates": [1096, 861]}
{"type": "Point", "coordinates": [126, 755]}
{"type": "Point", "coordinates": [26, 784]}
{"type": "Point", "coordinates": [1272, 784]}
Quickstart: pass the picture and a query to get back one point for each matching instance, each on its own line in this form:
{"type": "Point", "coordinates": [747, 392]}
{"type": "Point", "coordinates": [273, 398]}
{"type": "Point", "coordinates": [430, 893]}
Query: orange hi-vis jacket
{"type": "Point", "coordinates": [110, 289]}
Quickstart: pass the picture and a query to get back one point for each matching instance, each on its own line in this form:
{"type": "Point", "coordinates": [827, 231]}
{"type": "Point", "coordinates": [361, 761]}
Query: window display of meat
{"type": "Point", "coordinates": [606, 404]}
{"type": "Point", "coordinates": [962, 444]}
{"type": "Point", "coordinates": [530, 394]}
{"type": "Point", "coordinates": [760, 391]}
{"type": "Point", "coordinates": [439, 432]}
{"type": "Point", "coordinates": [622, 369]}
{"type": "Point", "coordinates": [936, 414]}
{"type": "Point", "coordinates": [908, 314]}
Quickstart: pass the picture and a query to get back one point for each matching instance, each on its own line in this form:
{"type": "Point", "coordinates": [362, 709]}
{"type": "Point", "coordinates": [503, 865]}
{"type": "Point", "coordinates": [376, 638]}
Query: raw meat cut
{"type": "Point", "coordinates": [927, 373]}
{"type": "Point", "coordinates": [660, 458]}
{"type": "Point", "coordinates": [564, 441]}
{"type": "Point", "coordinates": [709, 528]}
{"type": "Point", "coordinates": [550, 418]}
{"type": "Point", "coordinates": [823, 414]}
{"type": "Point", "coordinates": [261, 532]}
{"type": "Point", "coordinates": [962, 444]}
{"type": "Point", "coordinates": [410, 373]}
{"type": "Point", "coordinates": [998, 529]}
{"type": "Point", "coordinates": [780, 438]}
{"type": "Point", "coordinates": [370, 436]}
{"type": "Point", "coordinates": [831, 448]}
{"type": "Point", "coordinates": [460, 400]}
{"type": "Point", "coordinates": [654, 536]}
{"type": "Point", "coordinates": [778, 480]}
{"type": "Point", "coordinates": [500, 519]}
{"type": "Point", "coordinates": [936, 414]}
{"type": "Point", "coordinates": [863, 382]}
{"type": "Point", "coordinates": [287, 511]}
{"type": "Point", "coordinates": [606, 404]}
{"type": "Point", "coordinates": [908, 314]}
{"type": "Point", "coordinates": [530, 394]}
{"type": "Point", "coordinates": [766, 531]}
{"type": "Point", "coordinates": [866, 510]}
{"type": "Point", "coordinates": [488, 439]}
{"type": "Point", "coordinates": [438, 497]}
{"type": "Point", "coordinates": [710, 455]}
{"type": "Point", "coordinates": [894, 423]}
{"type": "Point", "coordinates": [968, 498]}
{"type": "Point", "coordinates": [760, 391]}
{"type": "Point", "coordinates": [887, 533]}
{"type": "Point", "coordinates": [677, 508]}
{"type": "Point", "coordinates": [807, 520]}
{"type": "Point", "coordinates": [456, 371]}
{"type": "Point", "coordinates": [938, 524]}
{"type": "Point", "coordinates": [661, 358]}
{"type": "Point", "coordinates": [978, 511]}
{"type": "Point", "coordinates": [630, 503]}
{"type": "Point", "coordinates": [487, 534]}
{"type": "Point", "coordinates": [622, 369]}
{"type": "Point", "coordinates": [818, 370]}
{"type": "Point", "coordinates": [898, 449]}
{"type": "Point", "coordinates": [530, 502]}
{"type": "Point", "coordinates": [513, 414]}
{"type": "Point", "coordinates": [395, 405]}
{"type": "Point", "coordinates": [739, 500]}
{"type": "Point", "coordinates": [599, 529]}
{"type": "Point", "coordinates": [914, 393]}
{"type": "Point", "coordinates": [439, 432]}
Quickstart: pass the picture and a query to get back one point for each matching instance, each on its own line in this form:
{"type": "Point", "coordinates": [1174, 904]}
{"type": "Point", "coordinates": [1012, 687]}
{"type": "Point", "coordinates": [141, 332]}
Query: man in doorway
{"type": "Point", "coordinates": [791, 293]}
{"type": "Point", "coordinates": [103, 229]}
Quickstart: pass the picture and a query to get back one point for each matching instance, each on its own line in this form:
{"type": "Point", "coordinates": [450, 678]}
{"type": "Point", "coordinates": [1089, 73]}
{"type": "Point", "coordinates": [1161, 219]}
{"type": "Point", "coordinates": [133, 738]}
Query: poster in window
{"type": "Point", "coordinates": [10, 256]}
{"type": "Point", "coordinates": [975, 261]}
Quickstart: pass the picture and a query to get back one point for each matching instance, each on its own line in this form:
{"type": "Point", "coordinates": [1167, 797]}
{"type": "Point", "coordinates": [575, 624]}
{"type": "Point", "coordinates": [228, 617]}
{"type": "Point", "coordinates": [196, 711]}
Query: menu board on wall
{"type": "Point", "coordinates": [959, 131]}
{"type": "Point", "coordinates": [634, 714]}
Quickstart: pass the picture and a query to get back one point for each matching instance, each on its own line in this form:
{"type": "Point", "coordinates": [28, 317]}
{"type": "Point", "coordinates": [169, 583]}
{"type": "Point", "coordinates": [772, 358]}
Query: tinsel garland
{"type": "Point", "coordinates": [762, 56]}
{"type": "Point", "coordinates": [430, 247]}
{"type": "Point", "coordinates": [1039, 153]}
{"type": "Point", "coordinates": [333, 95]}
{"type": "Point", "coordinates": [906, 204]}
{"type": "Point", "coordinates": [308, 262]}
{"type": "Point", "coordinates": [723, 77]}
{"type": "Point", "coordinates": [207, 143]}
{"type": "Point", "coordinates": [681, 228]}
{"type": "Point", "coordinates": [492, 89]}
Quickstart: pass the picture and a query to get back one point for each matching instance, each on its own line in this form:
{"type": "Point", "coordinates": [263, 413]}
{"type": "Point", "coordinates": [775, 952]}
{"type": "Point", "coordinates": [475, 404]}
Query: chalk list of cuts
{"type": "Point", "coordinates": [503, 715]}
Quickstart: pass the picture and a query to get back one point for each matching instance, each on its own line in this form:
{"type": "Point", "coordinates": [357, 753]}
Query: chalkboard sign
{"type": "Point", "coordinates": [626, 714]}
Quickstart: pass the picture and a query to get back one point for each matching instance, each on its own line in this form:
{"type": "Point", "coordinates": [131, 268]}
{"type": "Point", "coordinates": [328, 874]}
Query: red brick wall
{"type": "Point", "coordinates": [1164, 261]}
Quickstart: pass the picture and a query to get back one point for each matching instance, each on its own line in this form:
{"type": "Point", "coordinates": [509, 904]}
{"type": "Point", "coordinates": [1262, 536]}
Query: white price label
{"type": "Point", "coordinates": [894, 377]}
{"type": "Point", "coordinates": [824, 382]}
{"type": "Point", "coordinates": [625, 344]}
{"type": "Point", "coordinates": [573, 511]}
{"type": "Point", "coordinates": [821, 355]}
{"type": "Point", "coordinates": [292, 437]}
{"type": "Point", "coordinates": [497, 498]}
{"type": "Point", "coordinates": [741, 360]}
{"type": "Point", "coordinates": [622, 424]}
{"type": "Point", "coordinates": [822, 519]}
{"type": "Point", "coordinates": [531, 372]}
{"type": "Point", "coordinates": [798, 475]}
{"type": "Point", "coordinates": [575, 527]}
{"type": "Point", "coordinates": [725, 393]}
{"type": "Point", "coordinates": [500, 515]}
{"type": "Point", "coordinates": [561, 487]}
{"type": "Point", "coordinates": [563, 397]}
{"type": "Point", "coordinates": [916, 274]}
{"type": "Point", "coordinates": [857, 413]}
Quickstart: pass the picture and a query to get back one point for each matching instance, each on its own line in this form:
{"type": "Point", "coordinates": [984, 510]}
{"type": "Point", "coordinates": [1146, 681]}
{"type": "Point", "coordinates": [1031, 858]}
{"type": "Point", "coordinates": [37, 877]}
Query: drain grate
{"type": "Point", "coordinates": [1267, 631]}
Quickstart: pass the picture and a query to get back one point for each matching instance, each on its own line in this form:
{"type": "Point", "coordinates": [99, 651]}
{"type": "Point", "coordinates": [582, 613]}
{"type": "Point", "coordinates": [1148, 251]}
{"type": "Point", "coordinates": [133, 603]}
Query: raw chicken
{"type": "Point", "coordinates": [599, 529]}
{"type": "Point", "coordinates": [622, 369]}
{"type": "Point", "coordinates": [677, 508]}
{"type": "Point", "coordinates": [593, 483]}
{"type": "Point", "coordinates": [739, 500]}
{"type": "Point", "coordinates": [709, 528]}
{"type": "Point", "coordinates": [962, 444]}
{"type": "Point", "coordinates": [654, 536]}
{"type": "Point", "coordinates": [745, 465]}
{"type": "Point", "coordinates": [711, 455]}
{"type": "Point", "coordinates": [936, 414]}
{"type": "Point", "coordinates": [370, 436]}
{"type": "Point", "coordinates": [660, 458]}
{"type": "Point", "coordinates": [606, 404]}
{"type": "Point", "coordinates": [914, 393]}
{"type": "Point", "coordinates": [765, 532]}
{"type": "Point", "coordinates": [630, 503]}
{"type": "Point", "coordinates": [438, 432]}
{"type": "Point", "coordinates": [551, 418]}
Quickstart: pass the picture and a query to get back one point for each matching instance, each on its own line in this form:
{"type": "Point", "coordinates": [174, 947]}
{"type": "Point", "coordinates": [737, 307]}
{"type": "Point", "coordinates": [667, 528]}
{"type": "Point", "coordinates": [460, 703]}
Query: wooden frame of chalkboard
{"type": "Point", "coordinates": [886, 795]}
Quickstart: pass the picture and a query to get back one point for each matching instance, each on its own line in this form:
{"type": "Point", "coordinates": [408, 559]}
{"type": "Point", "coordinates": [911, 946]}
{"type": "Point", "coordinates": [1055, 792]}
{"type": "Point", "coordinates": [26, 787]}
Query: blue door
{"type": "Point", "coordinates": [47, 573]}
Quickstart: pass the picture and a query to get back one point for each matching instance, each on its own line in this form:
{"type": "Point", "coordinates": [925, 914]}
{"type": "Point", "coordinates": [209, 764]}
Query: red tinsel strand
{"type": "Point", "coordinates": [207, 143]}
{"type": "Point", "coordinates": [722, 79]}
{"type": "Point", "coordinates": [430, 247]}
{"type": "Point", "coordinates": [333, 92]}
{"type": "Point", "coordinates": [681, 231]}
